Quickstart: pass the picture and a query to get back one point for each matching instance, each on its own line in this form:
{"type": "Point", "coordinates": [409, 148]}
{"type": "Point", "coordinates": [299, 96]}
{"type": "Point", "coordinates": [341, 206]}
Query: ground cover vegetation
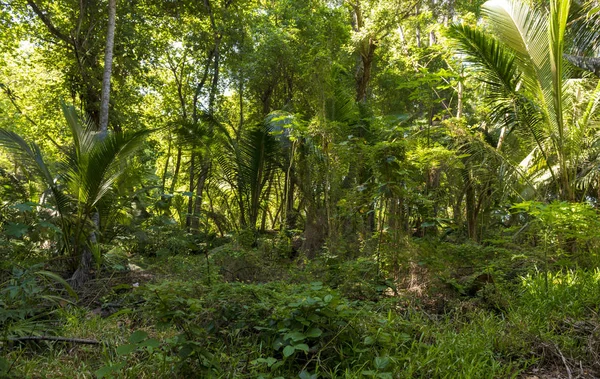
{"type": "Point", "coordinates": [299, 189]}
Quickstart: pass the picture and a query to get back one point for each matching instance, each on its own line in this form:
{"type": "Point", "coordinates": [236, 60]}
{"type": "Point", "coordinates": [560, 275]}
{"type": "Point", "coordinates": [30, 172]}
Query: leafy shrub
{"type": "Point", "coordinates": [359, 279]}
{"type": "Point", "coordinates": [561, 229]}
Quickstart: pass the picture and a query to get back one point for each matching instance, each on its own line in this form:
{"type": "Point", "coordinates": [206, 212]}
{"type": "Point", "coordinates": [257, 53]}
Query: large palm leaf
{"type": "Point", "coordinates": [247, 165]}
{"type": "Point", "coordinates": [533, 86]}
{"type": "Point", "coordinates": [85, 174]}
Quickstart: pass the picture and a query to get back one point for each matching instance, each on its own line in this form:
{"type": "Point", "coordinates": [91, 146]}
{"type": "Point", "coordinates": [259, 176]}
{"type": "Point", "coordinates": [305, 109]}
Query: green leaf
{"type": "Point", "coordinates": [314, 332]}
{"type": "Point", "coordinates": [186, 351]}
{"type": "Point", "coordinates": [369, 340]}
{"type": "Point", "coordinates": [288, 350]}
{"type": "Point", "coordinates": [151, 342]}
{"type": "Point", "coordinates": [307, 375]}
{"type": "Point", "coordinates": [24, 207]}
{"type": "Point", "coordinates": [294, 336]}
{"type": "Point", "coordinates": [126, 349]}
{"type": "Point", "coordinates": [15, 229]}
{"type": "Point", "coordinates": [270, 361]}
{"type": "Point", "coordinates": [278, 344]}
{"type": "Point", "coordinates": [48, 225]}
{"type": "Point", "coordinates": [58, 279]}
{"type": "Point", "coordinates": [4, 365]}
{"type": "Point", "coordinates": [109, 370]}
{"type": "Point", "coordinates": [138, 336]}
{"type": "Point", "coordinates": [302, 346]}
{"type": "Point", "coordinates": [381, 362]}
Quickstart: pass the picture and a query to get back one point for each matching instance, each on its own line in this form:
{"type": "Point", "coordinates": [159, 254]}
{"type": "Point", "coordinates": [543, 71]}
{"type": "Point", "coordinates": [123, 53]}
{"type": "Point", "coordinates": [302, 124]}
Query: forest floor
{"type": "Point", "coordinates": [245, 313]}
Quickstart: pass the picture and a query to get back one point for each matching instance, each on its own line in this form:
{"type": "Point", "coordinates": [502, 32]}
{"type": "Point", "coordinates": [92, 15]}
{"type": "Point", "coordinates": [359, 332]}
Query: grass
{"type": "Point", "coordinates": [191, 326]}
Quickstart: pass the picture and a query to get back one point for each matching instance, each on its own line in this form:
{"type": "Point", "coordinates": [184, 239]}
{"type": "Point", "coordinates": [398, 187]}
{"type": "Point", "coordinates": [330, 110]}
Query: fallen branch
{"type": "Point", "coordinates": [49, 338]}
{"type": "Point", "coordinates": [564, 361]}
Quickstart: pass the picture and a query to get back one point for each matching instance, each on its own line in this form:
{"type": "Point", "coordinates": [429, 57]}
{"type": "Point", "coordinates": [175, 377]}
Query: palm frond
{"type": "Point", "coordinates": [495, 66]}
{"type": "Point", "coordinates": [29, 154]}
{"type": "Point", "coordinates": [31, 157]}
{"type": "Point", "coordinates": [84, 133]}
{"type": "Point", "coordinates": [104, 163]}
{"type": "Point", "coordinates": [559, 12]}
{"type": "Point", "coordinates": [524, 30]}
{"type": "Point", "coordinates": [493, 62]}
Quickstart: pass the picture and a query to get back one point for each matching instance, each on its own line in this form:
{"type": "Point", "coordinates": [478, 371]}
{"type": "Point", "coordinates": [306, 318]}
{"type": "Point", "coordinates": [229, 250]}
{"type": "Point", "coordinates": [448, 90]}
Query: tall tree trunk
{"type": "Point", "coordinates": [418, 27]}
{"type": "Point", "coordinates": [108, 59]}
{"type": "Point", "coordinates": [206, 158]}
{"type": "Point", "coordinates": [84, 271]}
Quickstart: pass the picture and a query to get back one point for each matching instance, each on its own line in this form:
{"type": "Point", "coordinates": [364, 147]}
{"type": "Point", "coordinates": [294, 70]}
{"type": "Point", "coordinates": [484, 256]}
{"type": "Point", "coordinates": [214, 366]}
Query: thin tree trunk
{"type": "Point", "coordinates": [205, 166]}
{"type": "Point", "coordinates": [263, 223]}
{"type": "Point", "coordinates": [177, 168]}
{"type": "Point", "coordinates": [471, 207]}
{"type": "Point", "coordinates": [195, 224]}
{"type": "Point", "coordinates": [459, 105]}
{"type": "Point", "coordinates": [108, 59]}
{"type": "Point", "coordinates": [418, 27]}
{"type": "Point", "coordinates": [190, 208]}
{"type": "Point", "coordinates": [166, 169]}
{"type": "Point", "coordinates": [84, 271]}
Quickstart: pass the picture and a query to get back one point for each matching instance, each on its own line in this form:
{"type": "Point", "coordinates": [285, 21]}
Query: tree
{"type": "Point", "coordinates": [84, 178]}
{"type": "Point", "coordinates": [528, 87]}
{"type": "Point", "coordinates": [108, 58]}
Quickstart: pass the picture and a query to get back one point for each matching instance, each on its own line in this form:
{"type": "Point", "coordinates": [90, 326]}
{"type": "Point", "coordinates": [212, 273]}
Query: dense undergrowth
{"type": "Point", "coordinates": [429, 311]}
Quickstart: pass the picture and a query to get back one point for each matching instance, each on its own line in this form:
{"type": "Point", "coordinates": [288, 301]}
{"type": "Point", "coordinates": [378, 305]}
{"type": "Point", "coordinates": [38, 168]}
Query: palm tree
{"type": "Point", "coordinates": [528, 86]}
{"type": "Point", "coordinates": [248, 164]}
{"type": "Point", "coordinates": [84, 177]}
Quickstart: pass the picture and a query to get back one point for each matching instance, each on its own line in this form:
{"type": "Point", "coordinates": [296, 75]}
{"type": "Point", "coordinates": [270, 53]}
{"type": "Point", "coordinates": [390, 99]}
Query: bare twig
{"type": "Point", "coordinates": [50, 338]}
{"type": "Point", "coordinates": [564, 361]}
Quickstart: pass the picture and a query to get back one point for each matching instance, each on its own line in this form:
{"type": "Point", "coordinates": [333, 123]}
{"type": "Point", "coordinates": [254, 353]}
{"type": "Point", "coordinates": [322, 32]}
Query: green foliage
{"type": "Point", "coordinates": [574, 222]}
{"type": "Point", "coordinates": [332, 191]}
{"type": "Point", "coordinates": [87, 174]}
{"type": "Point", "coordinates": [138, 342]}
{"type": "Point", "coordinates": [27, 298]}
{"type": "Point", "coordinates": [564, 230]}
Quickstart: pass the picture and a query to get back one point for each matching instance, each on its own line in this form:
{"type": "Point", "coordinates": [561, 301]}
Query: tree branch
{"type": "Point", "coordinates": [46, 20]}
{"type": "Point", "coordinates": [49, 338]}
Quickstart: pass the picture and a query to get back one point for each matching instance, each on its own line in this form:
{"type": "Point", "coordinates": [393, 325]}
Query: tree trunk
{"type": "Point", "coordinates": [460, 94]}
{"type": "Point", "coordinates": [166, 169]}
{"type": "Point", "coordinates": [190, 208]}
{"type": "Point", "coordinates": [471, 206]}
{"type": "Point", "coordinates": [205, 166]}
{"type": "Point", "coordinates": [195, 224]}
{"type": "Point", "coordinates": [177, 168]}
{"type": "Point", "coordinates": [108, 58]}
{"type": "Point", "coordinates": [84, 271]}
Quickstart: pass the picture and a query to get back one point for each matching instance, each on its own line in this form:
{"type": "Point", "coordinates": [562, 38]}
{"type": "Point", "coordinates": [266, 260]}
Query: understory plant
{"type": "Point", "coordinates": [79, 185]}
